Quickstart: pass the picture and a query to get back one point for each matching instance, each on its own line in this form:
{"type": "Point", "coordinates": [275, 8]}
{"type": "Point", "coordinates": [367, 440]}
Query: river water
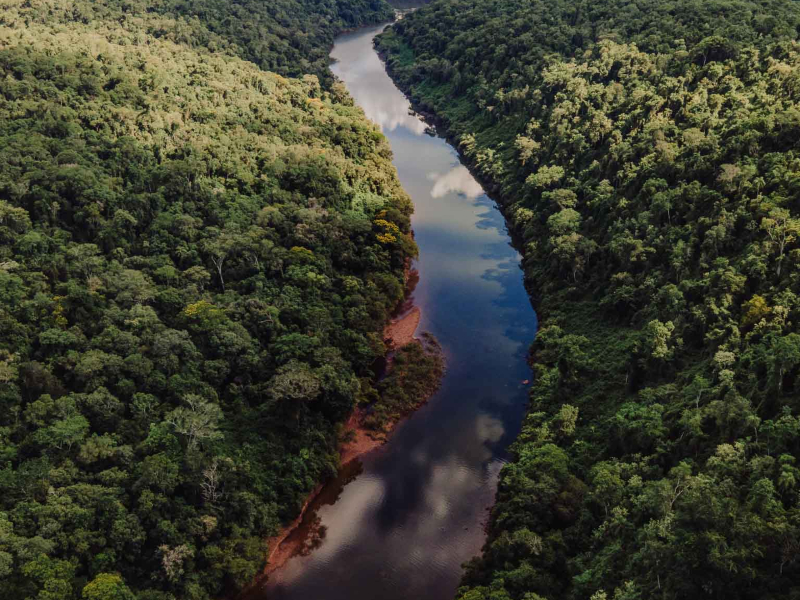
{"type": "Point", "coordinates": [413, 511]}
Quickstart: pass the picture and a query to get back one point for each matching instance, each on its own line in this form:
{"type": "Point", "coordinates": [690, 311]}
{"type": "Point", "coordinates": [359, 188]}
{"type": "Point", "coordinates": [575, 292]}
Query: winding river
{"type": "Point", "coordinates": [414, 510]}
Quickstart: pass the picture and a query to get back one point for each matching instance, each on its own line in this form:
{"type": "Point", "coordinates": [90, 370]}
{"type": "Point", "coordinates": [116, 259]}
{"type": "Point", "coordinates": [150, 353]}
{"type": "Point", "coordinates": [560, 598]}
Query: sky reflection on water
{"type": "Point", "coordinates": [458, 180]}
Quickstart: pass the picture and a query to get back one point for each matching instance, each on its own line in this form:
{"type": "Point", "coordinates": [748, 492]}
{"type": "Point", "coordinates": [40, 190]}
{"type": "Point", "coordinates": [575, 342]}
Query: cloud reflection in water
{"type": "Point", "coordinates": [458, 180]}
{"type": "Point", "coordinates": [391, 113]}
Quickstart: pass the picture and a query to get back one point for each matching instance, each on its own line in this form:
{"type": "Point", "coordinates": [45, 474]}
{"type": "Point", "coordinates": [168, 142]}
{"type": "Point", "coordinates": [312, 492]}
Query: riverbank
{"type": "Point", "coordinates": [440, 127]}
{"type": "Point", "coordinates": [359, 437]}
{"type": "Point", "coordinates": [400, 331]}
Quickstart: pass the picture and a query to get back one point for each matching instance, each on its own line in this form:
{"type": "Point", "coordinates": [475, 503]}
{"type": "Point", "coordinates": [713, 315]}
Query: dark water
{"type": "Point", "coordinates": [414, 510]}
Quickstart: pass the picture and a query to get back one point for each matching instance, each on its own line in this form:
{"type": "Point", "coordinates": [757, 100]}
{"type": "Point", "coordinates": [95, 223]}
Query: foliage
{"type": "Point", "coordinates": [646, 156]}
{"type": "Point", "coordinates": [192, 290]}
{"type": "Point", "coordinates": [288, 37]}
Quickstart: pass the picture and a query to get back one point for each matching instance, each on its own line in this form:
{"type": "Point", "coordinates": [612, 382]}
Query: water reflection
{"type": "Point", "coordinates": [393, 114]}
{"type": "Point", "coordinates": [489, 428]}
{"type": "Point", "coordinates": [458, 180]}
{"type": "Point", "coordinates": [378, 97]}
{"type": "Point", "coordinates": [405, 525]}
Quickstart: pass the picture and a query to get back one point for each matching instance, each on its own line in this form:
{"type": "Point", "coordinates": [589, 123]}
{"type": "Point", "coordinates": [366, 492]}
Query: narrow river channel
{"type": "Point", "coordinates": [414, 510]}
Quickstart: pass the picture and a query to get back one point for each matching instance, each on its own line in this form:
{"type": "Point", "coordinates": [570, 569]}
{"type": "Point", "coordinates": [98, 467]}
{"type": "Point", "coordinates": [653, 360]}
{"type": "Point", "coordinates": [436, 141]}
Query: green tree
{"type": "Point", "coordinates": [107, 586]}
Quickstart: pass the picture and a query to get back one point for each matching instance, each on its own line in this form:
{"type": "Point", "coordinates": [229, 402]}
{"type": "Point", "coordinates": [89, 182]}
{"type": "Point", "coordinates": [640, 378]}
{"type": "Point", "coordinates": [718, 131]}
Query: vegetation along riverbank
{"type": "Point", "coordinates": [202, 241]}
{"type": "Point", "coordinates": [647, 156]}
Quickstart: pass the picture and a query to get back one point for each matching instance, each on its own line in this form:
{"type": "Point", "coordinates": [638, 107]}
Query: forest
{"type": "Point", "coordinates": [646, 157]}
{"type": "Point", "coordinates": [201, 239]}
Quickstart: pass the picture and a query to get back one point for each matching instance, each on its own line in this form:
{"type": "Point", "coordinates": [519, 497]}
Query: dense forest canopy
{"type": "Point", "coordinates": [646, 155]}
{"type": "Point", "coordinates": [197, 258]}
{"type": "Point", "coordinates": [288, 37]}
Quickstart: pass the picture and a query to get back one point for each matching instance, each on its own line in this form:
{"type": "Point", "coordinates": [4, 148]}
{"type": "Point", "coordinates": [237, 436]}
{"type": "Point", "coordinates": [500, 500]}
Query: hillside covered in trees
{"type": "Point", "coordinates": [646, 154]}
{"type": "Point", "coordinates": [197, 259]}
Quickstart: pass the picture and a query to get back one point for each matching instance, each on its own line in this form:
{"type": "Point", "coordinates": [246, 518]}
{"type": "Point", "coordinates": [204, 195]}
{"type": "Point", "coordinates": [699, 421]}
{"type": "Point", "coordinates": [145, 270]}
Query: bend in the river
{"type": "Point", "coordinates": [416, 509]}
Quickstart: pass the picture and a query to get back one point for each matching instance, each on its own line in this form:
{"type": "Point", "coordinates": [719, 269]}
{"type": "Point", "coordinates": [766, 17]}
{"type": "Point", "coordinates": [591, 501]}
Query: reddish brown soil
{"type": "Point", "coordinates": [400, 332]}
{"type": "Point", "coordinates": [280, 550]}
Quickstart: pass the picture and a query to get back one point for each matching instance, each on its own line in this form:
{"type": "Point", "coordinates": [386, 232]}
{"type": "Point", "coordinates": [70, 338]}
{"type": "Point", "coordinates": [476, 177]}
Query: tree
{"type": "Point", "coordinates": [782, 229]}
{"type": "Point", "coordinates": [173, 560]}
{"type": "Point", "coordinates": [107, 586]}
{"type": "Point", "coordinates": [212, 481]}
{"type": "Point", "coordinates": [546, 176]}
{"type": "Point", "coordinates": [564, 222]}
{"type": "Point", "coordinates": [785, 357]}
{"type": "Point", "coordinates": [220, 247]}
{"type": "Point", "coordinates": [657, 337]}
{"type": "Point", "coordinates": [64, 433]}
{"type": "Point", "coordinates": [198, 420]}
{"type": "Point", "coordinates": [160, 472]}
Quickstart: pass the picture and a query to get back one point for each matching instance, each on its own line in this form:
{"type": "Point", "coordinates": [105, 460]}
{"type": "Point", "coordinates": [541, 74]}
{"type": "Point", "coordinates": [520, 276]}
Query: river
{"type": "Point", "coordinates": [414, 510]}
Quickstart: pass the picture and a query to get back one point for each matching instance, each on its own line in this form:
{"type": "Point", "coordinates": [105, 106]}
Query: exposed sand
{"type": "Point", "coordinates": [360, 440]}
{"type": "Point", "coordinates": [305, 533]}
{"type": "Point", "coordinates": [400, 331]}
